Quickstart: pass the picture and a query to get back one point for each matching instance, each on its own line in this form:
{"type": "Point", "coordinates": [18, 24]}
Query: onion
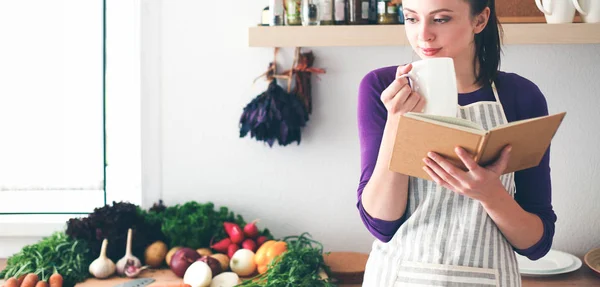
{"type": "Point", "coordinates": [213, 263]}
{"type": "Point", "coordinates": [198, 275]}
{"type": "Point", "coordinates": [225, 279]}
{"type": "Point", "coordinates": [182, 259]}
{"type": "Point", "coordinates": [242, 262]}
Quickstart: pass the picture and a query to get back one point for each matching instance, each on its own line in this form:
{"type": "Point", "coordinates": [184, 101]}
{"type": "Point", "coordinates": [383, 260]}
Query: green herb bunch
{"type": "Point", "coordinates": [193, 224]}
{"type": "Point", "coordinates": [57, 253]}
{"type": "Point", "coordinates": [301, 265]}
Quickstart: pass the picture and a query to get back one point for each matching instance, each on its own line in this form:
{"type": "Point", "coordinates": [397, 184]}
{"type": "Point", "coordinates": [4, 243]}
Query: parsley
{"type": "Point", "coordinates": [300, 265]}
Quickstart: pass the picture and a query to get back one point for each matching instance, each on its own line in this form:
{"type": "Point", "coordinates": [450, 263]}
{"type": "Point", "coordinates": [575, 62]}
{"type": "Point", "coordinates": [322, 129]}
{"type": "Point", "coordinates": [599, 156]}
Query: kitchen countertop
{"type": "Point", "coordinates": [584, 277]}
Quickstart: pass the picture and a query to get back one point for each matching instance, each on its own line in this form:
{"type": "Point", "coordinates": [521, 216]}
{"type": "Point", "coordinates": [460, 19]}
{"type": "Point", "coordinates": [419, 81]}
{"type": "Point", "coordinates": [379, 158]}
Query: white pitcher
{"type": "Point", "coordinates": [589, 10]}
{"type": "Point", "coordinates": [559, 11]}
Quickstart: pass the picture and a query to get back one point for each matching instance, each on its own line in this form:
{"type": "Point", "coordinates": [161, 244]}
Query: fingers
{"type": "Point", "coordinates": [401, 70]}
{"type": "Point", "coordinates": [420, 107]}
{"type": "Point", "coordinates": [499, 166]}
{"type": "Point", "coordinates": [444, 169]}
{"type": "Point", "coordinates": [400, 100]}
{"type": "Point", "coordinates": [393, 89]}
{"type": "Point", "coordinates": [414, 102]}
{"type": "Point", "coordinates": [465, 157]}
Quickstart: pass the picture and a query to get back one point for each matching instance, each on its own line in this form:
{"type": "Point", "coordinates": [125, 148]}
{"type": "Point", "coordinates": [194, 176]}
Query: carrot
{"type": "Point", "coordinates": [41, 284]}
{"type": "Point", "coordinates": [30, 280]}
{"type": "Point", "coordinates": [11, 282]}
{"type": "Point", "coordinates": [20, 279]}
{"type": "Point", "coordinates": [56, 280]}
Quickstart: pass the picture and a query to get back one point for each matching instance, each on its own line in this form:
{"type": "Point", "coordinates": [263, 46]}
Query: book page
{"type": "Point", "coordinates": [448, 120]}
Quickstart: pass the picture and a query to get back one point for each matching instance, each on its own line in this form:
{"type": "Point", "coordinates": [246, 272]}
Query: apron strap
{"type": "Point", "coordinates": [498, 101]}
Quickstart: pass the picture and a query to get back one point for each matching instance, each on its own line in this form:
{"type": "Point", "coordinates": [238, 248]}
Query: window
{"type": "Point", "coordinates": [59, 94]}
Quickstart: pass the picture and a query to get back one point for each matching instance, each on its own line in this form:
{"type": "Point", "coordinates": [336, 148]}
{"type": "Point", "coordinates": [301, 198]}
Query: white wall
{"type": "Point", "coordinates": [199, 72]}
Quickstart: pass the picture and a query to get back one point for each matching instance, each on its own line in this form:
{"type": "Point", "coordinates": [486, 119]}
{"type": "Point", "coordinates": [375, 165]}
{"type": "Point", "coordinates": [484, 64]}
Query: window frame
{"type": "Point", "coordinates": [122, 128]}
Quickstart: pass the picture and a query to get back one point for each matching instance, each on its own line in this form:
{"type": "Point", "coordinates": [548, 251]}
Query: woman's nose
{"type": "Point", "coordinates": [425, 33]}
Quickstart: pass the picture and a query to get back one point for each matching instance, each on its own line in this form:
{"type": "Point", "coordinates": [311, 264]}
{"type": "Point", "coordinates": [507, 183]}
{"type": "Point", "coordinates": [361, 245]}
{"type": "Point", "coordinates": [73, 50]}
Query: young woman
{"type": "Point", "coordinates": [463, 228]}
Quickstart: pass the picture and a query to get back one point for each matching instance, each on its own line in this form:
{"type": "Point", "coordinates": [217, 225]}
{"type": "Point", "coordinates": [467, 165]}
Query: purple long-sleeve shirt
{"type": "Point", "coordinates": [520, 98]}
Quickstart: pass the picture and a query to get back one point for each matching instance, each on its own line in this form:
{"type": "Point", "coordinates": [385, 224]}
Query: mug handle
{"type": "Point", "coordinates": [540, 6]}
{"type": "Point", "coordinates": [578, 7]}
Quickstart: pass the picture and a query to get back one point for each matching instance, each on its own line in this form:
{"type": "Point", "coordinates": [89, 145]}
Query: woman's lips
{"type": "Point", "coordinates": [430, 51]}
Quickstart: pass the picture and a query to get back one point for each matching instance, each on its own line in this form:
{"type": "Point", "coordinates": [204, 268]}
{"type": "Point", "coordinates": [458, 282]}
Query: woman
{"type": "Point", "coordinates": [462, 228]}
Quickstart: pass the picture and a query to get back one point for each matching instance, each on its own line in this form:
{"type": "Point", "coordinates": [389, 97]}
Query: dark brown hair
{"type": "Point", "coordinates": [487, 43]}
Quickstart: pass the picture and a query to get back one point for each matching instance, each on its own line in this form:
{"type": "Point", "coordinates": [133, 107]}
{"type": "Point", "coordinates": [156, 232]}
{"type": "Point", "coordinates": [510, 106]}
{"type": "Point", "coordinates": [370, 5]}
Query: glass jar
{"type": "Point", "coordinates": [310, 13]}
{"type": "Point", "coordinates": [293, 12]}
{"type": "Point", "coordinates": [326, 12]}
{"type": "Point", "coordinates": [387, 13]}
{"type": "Point", "coordinates": [358, 13]}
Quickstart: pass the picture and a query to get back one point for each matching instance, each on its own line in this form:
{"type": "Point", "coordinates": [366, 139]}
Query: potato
{"type": "Point", "coordinates": [223, 259]}
{"type": "Point", "coordinates": [155, 254]}
{"type": "Point", "coordinates": [204, 252]}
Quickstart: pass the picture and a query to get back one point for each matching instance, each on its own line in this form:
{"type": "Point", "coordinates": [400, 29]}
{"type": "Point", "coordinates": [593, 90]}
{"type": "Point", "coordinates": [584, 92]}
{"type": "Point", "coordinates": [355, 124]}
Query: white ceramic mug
{"type": "Point", "coordinates": [558, 11]}
{"type": "Point", "coordinates": [435, 79]}
{"type": "Point", "coordinates": [589, 10]}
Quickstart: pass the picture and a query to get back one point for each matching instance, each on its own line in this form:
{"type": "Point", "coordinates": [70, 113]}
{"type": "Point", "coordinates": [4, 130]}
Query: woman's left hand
{"type": "Point", "coordinates": [479, 183]}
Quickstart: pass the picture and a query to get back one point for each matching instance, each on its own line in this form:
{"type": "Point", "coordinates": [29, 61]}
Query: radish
{"type": "Point", "coordinates": [232, 249]}
{"type": "Point", "coordinates": [250, 230]}
{"type": "Point", "coordinates": [234, 231]}
{"type": "Point", "coordinates": [260, 240]}
{"type": "Point", "coordinates": [242, 262]}
{"type": "Point", "coordinates": [222, 245]}
{"type": "Point", "coordinates": [198, 275]}
{"type": "Point", "coordinates": [249, 244]}
{"type": "Point", "coordinates": [226, 279]}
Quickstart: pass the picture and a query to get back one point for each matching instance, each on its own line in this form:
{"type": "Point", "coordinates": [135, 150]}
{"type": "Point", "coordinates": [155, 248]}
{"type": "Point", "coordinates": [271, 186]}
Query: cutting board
{"type": "Point", "coordinates": [163, 277]}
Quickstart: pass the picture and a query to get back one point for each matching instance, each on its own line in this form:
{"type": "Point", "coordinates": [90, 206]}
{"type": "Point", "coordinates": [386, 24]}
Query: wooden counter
{"type": "Point", "coordinates": [583, 277]}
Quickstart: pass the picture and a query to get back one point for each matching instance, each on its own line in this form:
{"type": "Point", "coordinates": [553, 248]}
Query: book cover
{"type": "Point", "coordinates": [418, 134]}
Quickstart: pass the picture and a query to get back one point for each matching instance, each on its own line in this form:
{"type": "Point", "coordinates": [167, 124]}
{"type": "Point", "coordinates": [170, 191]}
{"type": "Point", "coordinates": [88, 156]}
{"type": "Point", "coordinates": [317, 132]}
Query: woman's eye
{"type": "Point", "coordinates": [410, 20]}
{"type": "Point", "coordinates": [441, 20]}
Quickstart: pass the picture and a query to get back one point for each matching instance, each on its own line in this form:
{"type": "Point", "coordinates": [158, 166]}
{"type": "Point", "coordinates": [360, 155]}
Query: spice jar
{"type": "Point", "coordinates": [358, 13]}
{"type": "Point", "coordinates": [293, 12]}
{"type": "Point", "coordinates": [387, 12]}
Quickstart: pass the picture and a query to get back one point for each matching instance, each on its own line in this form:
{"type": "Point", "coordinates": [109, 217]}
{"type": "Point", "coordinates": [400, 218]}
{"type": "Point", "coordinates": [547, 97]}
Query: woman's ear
{"type": "Point", "coordinates": [481, 20]}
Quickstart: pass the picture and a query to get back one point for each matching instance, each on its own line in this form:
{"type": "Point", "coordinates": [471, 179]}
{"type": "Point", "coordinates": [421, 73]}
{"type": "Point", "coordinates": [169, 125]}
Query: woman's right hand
{"type": "Point", "coordinates": [399, 98]}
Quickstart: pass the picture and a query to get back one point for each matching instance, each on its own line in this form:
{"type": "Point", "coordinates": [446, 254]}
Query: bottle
{"type": "Point", "coordinates": [265, 16]}
{"type": "Point", "coordinates": [358, 12]}
{"type": "Point", "coordinates": [340, 12]}
{"type": "Point", "coordinates": [373, 11]}
{"type": "Point", "coordinates": [276, 12]}
{"type": "Point", "coordinates": [326, 12]}
{"type": "Point", "coordinates": [310, 13]}
{"type": "Point", "coordinates": [293, 12]}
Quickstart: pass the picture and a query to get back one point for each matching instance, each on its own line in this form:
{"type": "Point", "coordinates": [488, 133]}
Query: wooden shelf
{"type": "Point", "coordinates": [394, 35]}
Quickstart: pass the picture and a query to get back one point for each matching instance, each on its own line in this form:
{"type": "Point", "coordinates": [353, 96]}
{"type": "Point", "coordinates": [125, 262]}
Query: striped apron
{"type": "Point", "coordinates": [447, 239]}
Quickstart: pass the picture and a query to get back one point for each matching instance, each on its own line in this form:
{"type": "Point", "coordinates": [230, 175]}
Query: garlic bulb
{"type": "Point", "coordinates": [128, 256]}
{"type": "Point", "coordinates": [102, 267]}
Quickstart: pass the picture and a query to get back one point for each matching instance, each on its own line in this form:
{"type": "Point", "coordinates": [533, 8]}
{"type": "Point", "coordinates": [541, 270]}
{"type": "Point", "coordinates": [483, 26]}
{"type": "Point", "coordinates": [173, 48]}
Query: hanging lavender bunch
{"type": "Point", "coordinates": [274, 115]}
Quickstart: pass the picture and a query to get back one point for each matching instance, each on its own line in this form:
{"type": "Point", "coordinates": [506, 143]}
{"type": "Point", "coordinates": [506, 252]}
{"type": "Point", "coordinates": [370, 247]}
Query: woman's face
{"type": "Point", "coordinates": [441, 28]}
